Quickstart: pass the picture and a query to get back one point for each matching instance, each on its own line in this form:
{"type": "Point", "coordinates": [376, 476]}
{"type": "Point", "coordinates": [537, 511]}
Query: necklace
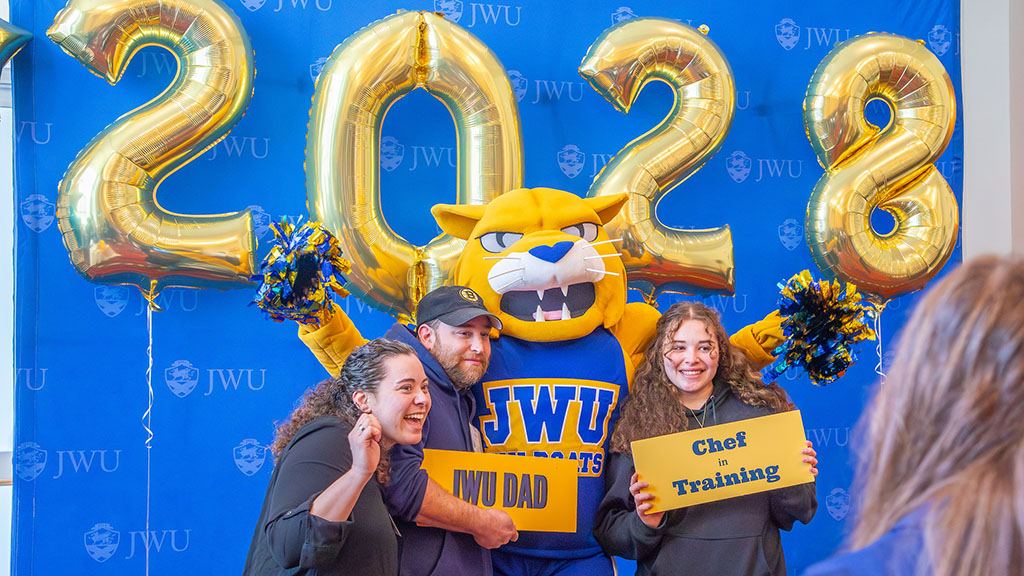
{"type": "Point", "coordinates": [704, 414]}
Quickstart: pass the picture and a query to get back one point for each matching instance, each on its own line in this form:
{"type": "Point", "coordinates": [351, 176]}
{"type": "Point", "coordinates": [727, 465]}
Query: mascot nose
{"type": "Point", "coordinates": [552, 253]}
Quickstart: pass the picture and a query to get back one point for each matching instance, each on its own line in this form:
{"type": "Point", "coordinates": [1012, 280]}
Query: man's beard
{"type": "Point", "coordinates": [462, 377]}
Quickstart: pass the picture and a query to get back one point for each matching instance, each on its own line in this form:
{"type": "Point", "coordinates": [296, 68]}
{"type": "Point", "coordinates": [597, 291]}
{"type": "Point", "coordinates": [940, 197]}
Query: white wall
{"type": "Point", "coordinates": [993, 216]}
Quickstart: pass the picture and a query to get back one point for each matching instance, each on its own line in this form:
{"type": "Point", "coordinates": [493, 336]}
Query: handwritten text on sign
{"type": "Point", "coordinates": [724, 461]}
{"type": "Point", "coordinates": [538, 493]}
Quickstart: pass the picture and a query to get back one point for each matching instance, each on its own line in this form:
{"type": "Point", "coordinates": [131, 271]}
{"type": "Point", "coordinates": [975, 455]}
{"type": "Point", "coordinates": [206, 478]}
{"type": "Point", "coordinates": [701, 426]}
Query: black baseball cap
{"type": "Point", "coordinates": [453, 305]}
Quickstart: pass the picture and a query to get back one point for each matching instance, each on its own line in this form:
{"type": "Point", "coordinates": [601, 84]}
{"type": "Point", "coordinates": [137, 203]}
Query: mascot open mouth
{"type": "Point", "coordinates": [551, 304]}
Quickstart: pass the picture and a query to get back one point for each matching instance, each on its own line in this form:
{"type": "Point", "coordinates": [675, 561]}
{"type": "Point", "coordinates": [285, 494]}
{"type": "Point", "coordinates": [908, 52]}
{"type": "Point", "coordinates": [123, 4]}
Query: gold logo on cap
{"type": "Point", "coordinates": [469, 295]}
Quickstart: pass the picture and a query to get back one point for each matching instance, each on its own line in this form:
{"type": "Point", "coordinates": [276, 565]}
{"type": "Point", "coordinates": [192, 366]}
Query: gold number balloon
{"type": "Point", "coordinates": [12, 39]}
{"type": "Point", "coordinates": [890, 169]}
{"type": "Point", "coordinates": [364, 76]}
{"type": "Point", "coordinates": [113, 227]}
{"type": "Point", "coordinates": [618, 65]}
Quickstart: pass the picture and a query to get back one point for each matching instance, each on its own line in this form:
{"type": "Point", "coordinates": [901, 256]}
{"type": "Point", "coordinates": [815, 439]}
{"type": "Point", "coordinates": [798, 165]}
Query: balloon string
{"type": "Point", "coordinates": [147, 419]}
{"type": "Point", "coordinates": [878, 347]}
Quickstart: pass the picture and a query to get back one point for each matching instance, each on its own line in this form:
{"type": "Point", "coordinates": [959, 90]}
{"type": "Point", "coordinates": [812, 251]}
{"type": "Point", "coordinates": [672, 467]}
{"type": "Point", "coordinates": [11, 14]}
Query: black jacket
{"type": "Point", "coordinates": [289, 540]}
{"type": "Point", "coordinates": [736, 536]}
{"type": "Point", "coordinates": [448, 426]}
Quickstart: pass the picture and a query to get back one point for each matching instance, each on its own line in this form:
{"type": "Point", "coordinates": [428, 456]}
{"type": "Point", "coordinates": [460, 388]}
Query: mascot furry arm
{"type": "Point", "coordinates": [540, 213]}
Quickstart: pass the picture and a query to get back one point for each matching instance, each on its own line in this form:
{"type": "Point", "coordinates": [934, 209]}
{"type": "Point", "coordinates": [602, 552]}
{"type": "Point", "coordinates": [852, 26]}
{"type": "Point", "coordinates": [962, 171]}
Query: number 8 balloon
{"type": "Point", "coordinates": [113, 227]}
{"type": "Point", "coordinates": [891, 169]}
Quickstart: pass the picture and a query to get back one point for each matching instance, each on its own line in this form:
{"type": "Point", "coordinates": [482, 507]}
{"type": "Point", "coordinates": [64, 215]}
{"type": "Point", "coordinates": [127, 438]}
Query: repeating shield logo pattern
{"type": "Point", "coordinates": [316, 68]}
{"type": "Point", "coordinates": [101, 542]}
{"type": "Point", "coordinates": [250, 456]}
{"type": "Point", "coordinates": [838, 503]}
{"type": "Point", "coordinates": [519, 84]}
{"type": "Point", "coordinates": [939, 39]}
{"type": "Point", "coordinates": [392, 152]}
{"type": "Point", "coordinates": [37, 212]}
{"type": "Point", "coordinates": [787, 33]}
{"type": "Point", "coordinates": [571, 160]}
{"type": "Point", "coordinates": [29, 461]}
{"type": "Point", "coordinates": [790, 233]}
{"type": "Point", "coordinates": [181, 378]}
{"type": "Point", "coordinates": [111, 300]}
{"type": "Point", "coordinates": [738, 166]}
{"type": "Point", "coordinates": [623, 13]}
{"type": "Point", "coordinates": [452, 9]}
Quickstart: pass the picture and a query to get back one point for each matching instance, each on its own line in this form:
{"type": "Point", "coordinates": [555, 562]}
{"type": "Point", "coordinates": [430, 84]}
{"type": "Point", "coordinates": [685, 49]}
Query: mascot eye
{"type": "Point", "coordinates": [585, 230]}
{"type": "Point", "coordinates": [498, 241]}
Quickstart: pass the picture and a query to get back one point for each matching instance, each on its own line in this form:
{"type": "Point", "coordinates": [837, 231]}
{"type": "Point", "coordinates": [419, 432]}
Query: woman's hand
{"type": "Point", "coordinates": [364, 440]}
{"type": "Point", "coordinates": [811, 457]}
{"type": "Point", "coordinates": [643, 502]}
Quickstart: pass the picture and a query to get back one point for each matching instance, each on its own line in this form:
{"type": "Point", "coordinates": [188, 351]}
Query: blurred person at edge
{"type": "Point", "coordinates": [691, 377]}
{"type": "Point", "coordinates": [324, 511]}
{"type": "Point", "coordinates": [940, 480]}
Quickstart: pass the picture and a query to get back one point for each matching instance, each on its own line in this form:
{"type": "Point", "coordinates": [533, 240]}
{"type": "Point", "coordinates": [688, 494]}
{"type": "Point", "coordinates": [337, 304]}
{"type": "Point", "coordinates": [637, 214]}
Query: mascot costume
{"type": "Point", "coordinates": [561, 367]}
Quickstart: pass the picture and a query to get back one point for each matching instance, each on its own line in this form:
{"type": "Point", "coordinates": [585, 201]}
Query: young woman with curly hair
{"type": "Point", "coordinates": [692, 377]}
{"type": "Point", "coordinates": [940, 481]}
{"type": "Point", "coordinates": [324, 512]}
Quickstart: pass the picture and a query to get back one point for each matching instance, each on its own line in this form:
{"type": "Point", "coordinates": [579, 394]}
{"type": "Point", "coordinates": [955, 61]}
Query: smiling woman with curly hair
{"type": "Point", "coordinates": [693, 377]}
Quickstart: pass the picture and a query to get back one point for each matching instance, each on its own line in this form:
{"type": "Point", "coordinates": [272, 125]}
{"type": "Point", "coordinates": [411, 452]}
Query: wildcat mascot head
{"type": "Point", "coordinates": [541, 260]}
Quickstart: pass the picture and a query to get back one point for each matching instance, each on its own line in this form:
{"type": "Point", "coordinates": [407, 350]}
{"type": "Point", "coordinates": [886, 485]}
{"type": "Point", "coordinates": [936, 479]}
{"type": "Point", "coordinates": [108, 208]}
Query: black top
{"type": "Point", "coordinates": [289, 540]}
{"type": "Point", "coordinates": [738, 536]}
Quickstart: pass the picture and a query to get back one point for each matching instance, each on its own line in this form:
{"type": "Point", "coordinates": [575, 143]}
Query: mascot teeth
{"type": "Point", "coordinates": [551, 304]}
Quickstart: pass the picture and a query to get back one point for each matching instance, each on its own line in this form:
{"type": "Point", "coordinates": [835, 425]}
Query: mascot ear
{"type": "Point", "coordinates": [458, 220]}
{"type": "Point", "coordinates": [606, 206]}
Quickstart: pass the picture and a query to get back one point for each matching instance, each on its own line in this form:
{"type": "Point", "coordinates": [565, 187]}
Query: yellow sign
{"type": "Point", "coordinates": [538, 493]}
{"type": "Point", "coordinates": [723, 461]}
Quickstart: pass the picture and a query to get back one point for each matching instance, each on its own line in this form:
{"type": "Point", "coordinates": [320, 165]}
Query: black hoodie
{"type": "Point", "coordinates": [735, 536]}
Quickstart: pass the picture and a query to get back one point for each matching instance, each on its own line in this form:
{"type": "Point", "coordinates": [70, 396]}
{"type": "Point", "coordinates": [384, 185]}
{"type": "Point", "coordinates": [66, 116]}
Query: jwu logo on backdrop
{"type": "Point", "coordinates": [182, 378]}
{"type": "Point", "coordinates": [241, 147]}
{"type": "Point", "coordinates": [739, 166]}
{"type": "Point", "coordinates": [102, 541]}
{"type": "Point", "coordinates": [479, 13]}
{"type": "Point", "coordinates": [321, 5]}
{"type": "Point", "coordinates": [788, 33]}
{"type": "Point", "coordinates": [33, 378]}
{"type": "Point", "coordinates": [791, 233]}
{"type": "Point", "coordinates": [30, 461]}
{"type": "Point", "coordinates": [250, 456]}
{"type": "Point", "coordinates": [393, 154]}
{"type": "Point", "coordinates": [37, 212]}
{"type": "Point", "coordinates": [112, 300]}
{"type": "Point", "coordinates": [546, 90]}
{"type": "Point", "coordinates": [838, 503]}
{"type": "Point", "coordinates": [33, 130]}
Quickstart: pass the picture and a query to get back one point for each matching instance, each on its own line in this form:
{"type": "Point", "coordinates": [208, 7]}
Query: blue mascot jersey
{"type": "Point", "coordinates": [556, 400]}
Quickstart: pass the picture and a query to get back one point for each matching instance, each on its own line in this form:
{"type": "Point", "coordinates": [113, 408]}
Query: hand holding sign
{"type": "Point", "coordinates": [643, 502]}
{"type": "Point", "coordinates": [811, 457]}
{"type": "Point", "coordinates": [724, 461]}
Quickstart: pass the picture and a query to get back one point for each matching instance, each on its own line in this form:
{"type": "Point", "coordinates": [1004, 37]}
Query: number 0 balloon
{"type": "Point", "coordinates": [362, 79]}
{"type": "Point", "coordinates": [113, 227]}
{"type": "Point", "coordinates": [890, 169]}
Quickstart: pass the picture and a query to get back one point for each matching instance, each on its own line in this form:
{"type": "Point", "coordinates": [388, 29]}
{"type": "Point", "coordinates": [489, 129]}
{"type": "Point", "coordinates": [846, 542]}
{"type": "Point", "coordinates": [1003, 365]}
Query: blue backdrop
{"type": "Point", "coordinates": [222, 374]}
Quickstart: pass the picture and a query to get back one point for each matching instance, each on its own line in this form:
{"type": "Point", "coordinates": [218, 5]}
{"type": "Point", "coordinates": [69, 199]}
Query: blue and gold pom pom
{"type": "Point", "coordinates": [821, 320]}
{"type": "Point", "coordinates": [298, 275]}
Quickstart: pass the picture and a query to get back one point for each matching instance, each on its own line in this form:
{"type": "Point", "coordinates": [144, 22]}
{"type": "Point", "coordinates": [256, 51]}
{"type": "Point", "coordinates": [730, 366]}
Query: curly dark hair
{"type": "Point", "coordinates": [363, 370]}
{"type": "Point", "coordinates": [653, 409]}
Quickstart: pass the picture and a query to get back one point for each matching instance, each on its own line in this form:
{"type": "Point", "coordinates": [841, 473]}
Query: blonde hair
{"type": "Point", "coordinates": [945, 433]}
